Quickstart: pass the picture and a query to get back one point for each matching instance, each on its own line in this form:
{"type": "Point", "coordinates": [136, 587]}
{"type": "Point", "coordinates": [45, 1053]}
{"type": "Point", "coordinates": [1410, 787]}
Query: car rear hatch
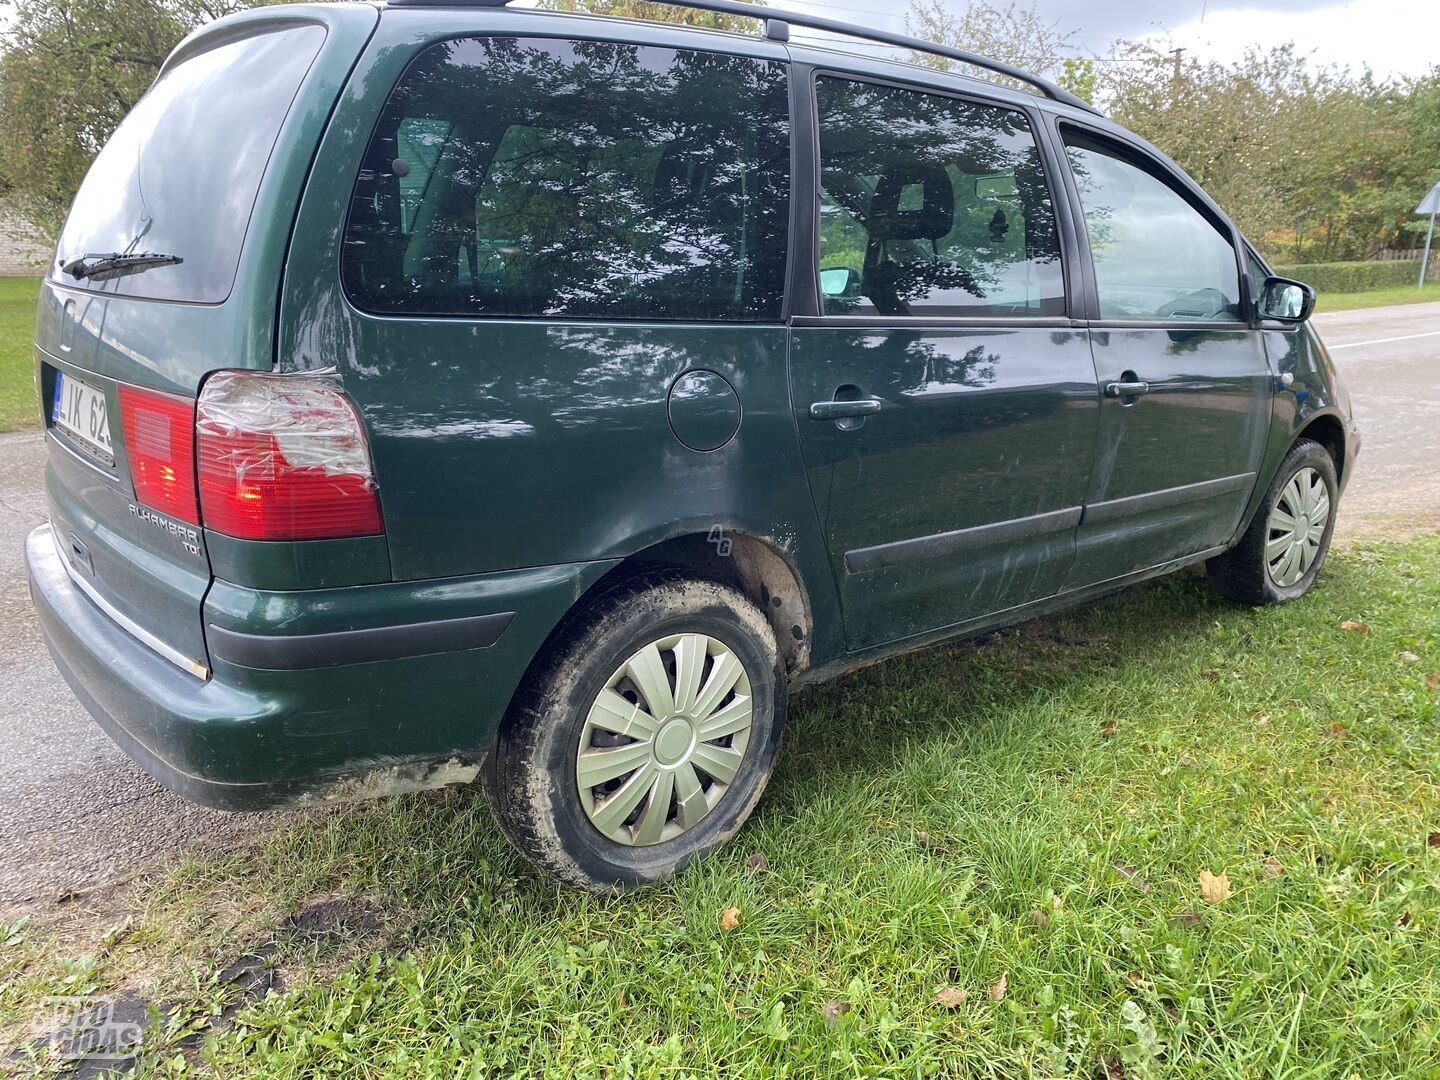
{"type": "Point", "coordinates": [168, 269]}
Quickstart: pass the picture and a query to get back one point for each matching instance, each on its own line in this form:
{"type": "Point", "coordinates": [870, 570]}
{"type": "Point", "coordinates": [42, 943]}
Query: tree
{"type": "Point", "coordinates": [1313, 163]}
{"type": "Point", "coordinates": [1014, 33]}
{"type": "Point", "coordinates": [69, 72]}
{"type": "Point", "coordinates": [1078, 75]}
{"type": "Point", "coordinates": [655, 12]}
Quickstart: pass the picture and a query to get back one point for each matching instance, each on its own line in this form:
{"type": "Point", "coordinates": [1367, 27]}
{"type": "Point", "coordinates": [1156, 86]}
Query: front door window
{"type": "Point", "coordinates": [1156, 256]}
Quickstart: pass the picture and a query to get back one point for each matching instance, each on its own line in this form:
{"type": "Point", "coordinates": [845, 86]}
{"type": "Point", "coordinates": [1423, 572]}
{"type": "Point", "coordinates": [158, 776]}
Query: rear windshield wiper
{"type": "Point", "coordinates": [115, 264]}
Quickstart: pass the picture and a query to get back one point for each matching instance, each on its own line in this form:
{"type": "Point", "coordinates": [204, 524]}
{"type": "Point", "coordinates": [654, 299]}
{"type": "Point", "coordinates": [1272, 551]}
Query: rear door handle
{"type": "Point", "coordinates": [840, 410]}
{"type": "Point", "coordinates": [1126, 389]}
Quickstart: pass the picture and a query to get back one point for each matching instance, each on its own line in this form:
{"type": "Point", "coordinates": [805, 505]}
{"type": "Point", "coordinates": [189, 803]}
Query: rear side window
{"type": "Point", "coordinates": [1156, 256]}
{"type": "Point", "coordinates": [932, 206]}
{"type": "Point", "coordinates": [180, 174]}
{"type": "Point", "coordinates": [580, 179]}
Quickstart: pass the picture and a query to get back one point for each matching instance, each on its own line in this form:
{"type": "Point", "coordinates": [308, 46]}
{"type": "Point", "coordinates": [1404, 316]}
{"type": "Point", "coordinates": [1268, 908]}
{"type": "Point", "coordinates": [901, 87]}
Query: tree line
{"type": "Point", "coordinates": [1315, 163]}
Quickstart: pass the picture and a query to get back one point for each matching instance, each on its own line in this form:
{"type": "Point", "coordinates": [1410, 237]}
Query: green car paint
{"type": "Point", "coordinates": [523, 461]}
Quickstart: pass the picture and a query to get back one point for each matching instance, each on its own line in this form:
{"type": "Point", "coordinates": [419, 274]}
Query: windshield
{"type": "Point", "coordinates": [179, 176]}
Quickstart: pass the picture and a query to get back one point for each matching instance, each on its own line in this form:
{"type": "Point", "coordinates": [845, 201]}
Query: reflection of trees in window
{"type": "Point", "coordinates": [939, 203]}
{"type": "Point", "coordinates": [587, 179]}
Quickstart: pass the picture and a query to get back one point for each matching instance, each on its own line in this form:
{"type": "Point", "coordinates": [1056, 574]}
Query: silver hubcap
{"type": "Point", "coordinates": [664, 740]}
{"type": "Point", "coordinates": [1296, 527]}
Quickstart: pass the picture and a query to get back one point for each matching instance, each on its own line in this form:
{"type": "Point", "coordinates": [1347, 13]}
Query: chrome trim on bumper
{"type": "Point", "coordinates": [175, 656]}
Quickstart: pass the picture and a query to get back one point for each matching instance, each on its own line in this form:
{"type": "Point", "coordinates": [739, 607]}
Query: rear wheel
{"type": "Point", "coordinates": [646, 737]}
{"type": "Point", "coordinates": [1284, 548]}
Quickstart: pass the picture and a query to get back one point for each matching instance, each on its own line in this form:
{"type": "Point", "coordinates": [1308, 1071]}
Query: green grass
{"type": "Point", "coordinates": [1032, 811]}
{"type": "Point", "coordinates": [17, 363]}
{"type": "Point", "coordinates": [1400, 294]}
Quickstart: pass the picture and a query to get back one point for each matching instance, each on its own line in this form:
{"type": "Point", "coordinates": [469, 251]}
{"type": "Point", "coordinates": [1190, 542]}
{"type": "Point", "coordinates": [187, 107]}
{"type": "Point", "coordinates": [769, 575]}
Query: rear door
{"type": "Point", "coordinates": [945, 400]}
{"type": "Point", "coordinates": [1184, 385]}
{"type": "Point", "coordinates": [203, 174]}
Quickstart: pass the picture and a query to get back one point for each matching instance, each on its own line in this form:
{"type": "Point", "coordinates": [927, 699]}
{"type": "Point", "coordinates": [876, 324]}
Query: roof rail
{"type": "Point", "coordinates": [776, 20]}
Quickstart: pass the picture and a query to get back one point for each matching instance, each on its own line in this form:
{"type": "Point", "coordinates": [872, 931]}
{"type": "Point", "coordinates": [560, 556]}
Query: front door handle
{"type": "Point", "coordinates": [1126, 389]}
{"type": "Point", "coordinates": [842, 410]}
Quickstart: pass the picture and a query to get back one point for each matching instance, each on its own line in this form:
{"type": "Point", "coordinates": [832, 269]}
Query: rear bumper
{"type": "Point", "coordinates": [299, 709]}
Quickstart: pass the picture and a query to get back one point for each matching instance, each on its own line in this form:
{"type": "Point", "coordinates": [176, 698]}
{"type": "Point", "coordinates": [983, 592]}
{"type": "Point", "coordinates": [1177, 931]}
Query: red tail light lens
{"type": "Point", "coordinates": [160, 442]}
{"type": "Point", "coordinates": [283, 457]}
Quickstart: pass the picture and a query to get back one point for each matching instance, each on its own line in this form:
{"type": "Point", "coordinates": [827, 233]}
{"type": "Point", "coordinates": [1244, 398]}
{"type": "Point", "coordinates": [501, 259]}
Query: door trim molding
{"type": "Point", "coordinates": [1114, 509]}
{"type": "Point", "coordinates": [863, 560]}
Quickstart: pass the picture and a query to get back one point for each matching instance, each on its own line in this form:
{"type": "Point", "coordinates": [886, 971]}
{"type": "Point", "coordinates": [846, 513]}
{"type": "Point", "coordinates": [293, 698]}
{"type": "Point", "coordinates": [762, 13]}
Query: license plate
{"type": "Point", "coordinates": [80, 411]}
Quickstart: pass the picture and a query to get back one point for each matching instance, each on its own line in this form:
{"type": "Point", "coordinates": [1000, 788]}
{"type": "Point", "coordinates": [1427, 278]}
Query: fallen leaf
{"type": "Point", "coordinates": [951, 997]}
{"type": "Point", "coordinates": [833, 1010]}
{"type": "Point", "coordinates": [1273, 867]}
{"type": "Point", "coordinates": [1336, 730]}
{"type": "Point", "coordinates": [1403, 920]}
{"type": "Point", "coordinates": [1188, 919]}
{"type": "Point", "coordinates": [1214, 887]}
{"type": "Point", "coordinates": [1433, 840]}
{"type": "Point", "coordinates": [1113, 1069]}
{"type": "Point", "coordinates": [1186, 761]}
{"type": "Point", "coordinates": [1408, 657]}
{"type": "Point", "coordinates": [757, 862]}
{"type": "Point", "coordinates": [1432, 681]}
{"type": "Point", "coordinates": [1134, 978]}
{"type": "Point", "coordinates": [1040, 919]}
{"type": "Point", "coordinates": [1357, 627]}
{"type": "Point", "coordinates": [1213, 676]}
{"type": "Point", "coordinates": [1108, 730]}
{"type": "Point", "coordinates": [1135, 876]}
{"type": "Point", "coordinates": [997, 992]}
{"type": "Point", "coordinates": [730, 918]}
{"type": "Point", "coordinates": [621, 1001]}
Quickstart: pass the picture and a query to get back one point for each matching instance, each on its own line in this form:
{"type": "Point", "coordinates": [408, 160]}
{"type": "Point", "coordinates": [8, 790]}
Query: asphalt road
{"type": "Point", "coordinates": [76, 812]}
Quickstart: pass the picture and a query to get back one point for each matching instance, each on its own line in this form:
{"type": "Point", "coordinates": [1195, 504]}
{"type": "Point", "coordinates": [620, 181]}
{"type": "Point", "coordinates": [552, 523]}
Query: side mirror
{"type": "Point", "coordinates": [1285, 300]}
{"type": "Point", "coordinates": [840, 282]}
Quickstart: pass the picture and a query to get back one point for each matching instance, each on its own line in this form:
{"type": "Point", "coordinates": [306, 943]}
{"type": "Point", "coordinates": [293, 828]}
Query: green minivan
{"type": "Point", "coordinates": [440, 393]}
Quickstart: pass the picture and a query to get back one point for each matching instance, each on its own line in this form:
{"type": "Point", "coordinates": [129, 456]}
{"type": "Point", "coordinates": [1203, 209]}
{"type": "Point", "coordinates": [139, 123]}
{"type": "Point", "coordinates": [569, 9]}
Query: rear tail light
{"type": "Point", "coordinates": [283, 457]}
{"type": "Point", "coordinates": [160, 441]}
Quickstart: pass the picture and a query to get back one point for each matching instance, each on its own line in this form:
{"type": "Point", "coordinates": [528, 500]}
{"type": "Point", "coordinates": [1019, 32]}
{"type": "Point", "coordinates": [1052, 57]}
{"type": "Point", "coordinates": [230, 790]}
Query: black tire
{"type": "Point", "coordinates": [1242, 573]}
{"type": "Point", "coordinates": [530, 777]}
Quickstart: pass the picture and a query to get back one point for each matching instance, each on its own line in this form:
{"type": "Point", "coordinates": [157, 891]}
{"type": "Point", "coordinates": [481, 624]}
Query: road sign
{"type": "Point", "coordinates": [1431, 203]}
{"type": "Point", "coordinates": [1428, 205]}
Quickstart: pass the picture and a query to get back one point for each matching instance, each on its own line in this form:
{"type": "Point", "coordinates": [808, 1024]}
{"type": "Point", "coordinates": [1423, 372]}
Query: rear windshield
{"type": "Point", "coordinates": [180, 174]}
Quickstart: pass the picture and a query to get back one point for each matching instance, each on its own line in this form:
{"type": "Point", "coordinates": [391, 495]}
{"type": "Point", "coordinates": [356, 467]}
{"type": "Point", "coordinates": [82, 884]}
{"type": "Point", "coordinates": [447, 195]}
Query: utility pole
{"type": "Point", "coordinates": [1177, 52]}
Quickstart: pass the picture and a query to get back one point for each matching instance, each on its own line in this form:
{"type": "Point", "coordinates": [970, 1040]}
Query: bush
{"type": "Point", "coordinates": [1346, 277]}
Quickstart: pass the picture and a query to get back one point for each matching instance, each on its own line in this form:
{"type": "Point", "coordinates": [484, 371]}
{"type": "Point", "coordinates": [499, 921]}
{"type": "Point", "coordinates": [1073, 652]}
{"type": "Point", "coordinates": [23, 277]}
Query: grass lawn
{"type": "Point", "coordinates": [1400, 294]}
{"type": "Point", "coordinates": [17, 362]}
{"type": "Point", "coordinates": [1158, 836]}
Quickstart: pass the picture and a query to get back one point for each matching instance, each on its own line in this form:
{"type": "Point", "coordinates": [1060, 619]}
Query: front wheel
{"type": "Point", "coordinates": [1281, 553]}
{"type": "Point", "coordinates": [645, 738]}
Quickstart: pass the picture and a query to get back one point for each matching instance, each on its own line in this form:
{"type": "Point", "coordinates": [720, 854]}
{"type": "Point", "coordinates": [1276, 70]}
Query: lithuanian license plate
{"type": "Point", "coordinates": [79, 410]}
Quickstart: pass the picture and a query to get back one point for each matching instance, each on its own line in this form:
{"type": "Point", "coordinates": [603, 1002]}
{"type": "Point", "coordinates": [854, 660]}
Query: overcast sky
{"type": "Point", "coordinates": [1395, 37]}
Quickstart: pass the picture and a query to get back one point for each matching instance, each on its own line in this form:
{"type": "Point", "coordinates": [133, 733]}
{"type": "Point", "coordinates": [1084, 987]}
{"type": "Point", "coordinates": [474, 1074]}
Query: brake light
{"type": "Point", "coordinates": [283, 457]}
{"type": "Point", "coordinates": [160, 442]}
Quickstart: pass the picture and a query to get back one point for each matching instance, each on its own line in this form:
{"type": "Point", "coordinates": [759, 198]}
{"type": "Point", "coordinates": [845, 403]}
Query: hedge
{"type": "Point", "coordinates": [1347, 277]}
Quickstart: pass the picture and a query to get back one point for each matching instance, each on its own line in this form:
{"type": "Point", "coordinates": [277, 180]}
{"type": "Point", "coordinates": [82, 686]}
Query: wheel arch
{"type": "Point", "coordinates": [760, 567]}
{"type": "Point", "coordinates": [1328, 430]}
{"type": "Point", "coordinates": [756, 566]}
